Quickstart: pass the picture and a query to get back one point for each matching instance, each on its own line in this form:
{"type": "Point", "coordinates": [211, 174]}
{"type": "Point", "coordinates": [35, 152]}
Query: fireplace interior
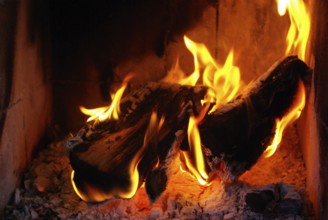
{"type": "Point", "coordinates": [58, 55]}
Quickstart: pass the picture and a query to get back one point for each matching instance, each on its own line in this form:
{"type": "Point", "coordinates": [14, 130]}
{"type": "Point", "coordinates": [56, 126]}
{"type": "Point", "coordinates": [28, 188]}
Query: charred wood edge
{"type": "Point", "coordinates": [156, 181]}
{"type": "Point", "coordinates": [236, 135]}
{"type": "Point", "coordinates": [233, 137]}
{"type": "Point", "coordinates": [87, 149]}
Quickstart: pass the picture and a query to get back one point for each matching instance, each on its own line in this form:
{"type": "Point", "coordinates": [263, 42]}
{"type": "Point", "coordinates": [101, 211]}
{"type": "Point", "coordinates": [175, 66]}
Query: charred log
{"type": "Point", "coordinates": [101, 154]}
{"type": "Point", "coordinates": [236, 135]}
{"type": "Point", "coordinates": [233, 137]}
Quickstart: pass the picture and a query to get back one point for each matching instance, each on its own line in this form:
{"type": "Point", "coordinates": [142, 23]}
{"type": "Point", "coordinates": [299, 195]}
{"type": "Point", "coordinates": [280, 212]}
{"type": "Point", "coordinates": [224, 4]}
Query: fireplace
{"type": "Point", "coordinates": [73, 48]}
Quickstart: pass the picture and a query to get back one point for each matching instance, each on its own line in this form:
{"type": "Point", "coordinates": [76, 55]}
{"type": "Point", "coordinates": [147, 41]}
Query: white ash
{"type": "Point", "coordinates": [46, 192]}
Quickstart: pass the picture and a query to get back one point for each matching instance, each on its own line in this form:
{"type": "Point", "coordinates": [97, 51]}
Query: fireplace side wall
{"type": "Point", "coordinates": [320, 51]}
{"type": "Point", "coordinates": [27, 114]}
{"type": "Point", "coordinates": [314, 122]}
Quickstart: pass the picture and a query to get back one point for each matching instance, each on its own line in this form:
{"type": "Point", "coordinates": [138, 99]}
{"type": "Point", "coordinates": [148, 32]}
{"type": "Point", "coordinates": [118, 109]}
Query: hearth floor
{"type": "Point", "coordinates": [273, 189]}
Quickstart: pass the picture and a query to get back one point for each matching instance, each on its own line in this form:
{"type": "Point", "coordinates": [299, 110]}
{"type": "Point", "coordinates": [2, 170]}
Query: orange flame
{"type": "Point", "coordinates": [108, 112]}
{"type": "Point", "coordinates": [151, 132]}
{"type": "Point", "coordinates": [195, 145]}
{"type": "Point", "coordinates": [223, 82]}
{"type": "Point", "coordinates": [297, 38]}
{"type": "Point", "coordinates": [287, 119]}
{"type": "Point", "coordinates": [299, 30]}
{"type": "Point", "coordinates": [98, 196]}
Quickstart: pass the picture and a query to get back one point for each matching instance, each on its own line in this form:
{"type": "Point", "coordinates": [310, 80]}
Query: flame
{"type": "Point", "coordinates": [195, 145]}
{"type": "Point", "coordinates": [108, 112]}
{"type": "Point", "coordinates": [287, 119]}
{"type": "Point", "coordinates": [96, 195]}
{"type": "Point", "coordinates": [93, 194]}
{"type": "Point", "coordinates": [193, 78]}
{"type": "Point", "coordinates": [299, 30]}
{"type": "Point", "coordinates": [297, 38]}
{"type": "Point", "coordinates": [80, 194]}
{"type": "Point", "coordinates": [151, 133]}
{"type": "Point", "coordinates": [223, 82]}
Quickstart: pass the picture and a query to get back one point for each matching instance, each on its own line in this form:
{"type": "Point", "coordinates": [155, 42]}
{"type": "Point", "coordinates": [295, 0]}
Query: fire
{"type": "Point", "coordinates": [95, 195]}
{"type": "Point", "coordinates": [297, 38]}
{"type": "Point", "coordinates": [92, 194]}
{"type": "Point", "coordinates": [195, 145]}
{"type": "Point", "coordinates": [108, 112]}
{"type": "Point", "coordinates": [223, 81]}
{"type": "Point", "coordinates": [149, 138]}
{"type": "Point", "coordinates": [290, 117]}
{"type": "Point", "coordinates": [299, 29]}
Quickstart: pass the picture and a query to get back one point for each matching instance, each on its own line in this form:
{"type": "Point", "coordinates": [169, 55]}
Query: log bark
{"type": "Point", "coordinates": [233, 137]}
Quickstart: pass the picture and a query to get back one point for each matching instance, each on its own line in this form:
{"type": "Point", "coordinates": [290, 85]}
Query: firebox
{"type": "Point", "coordinates": [163, 109]}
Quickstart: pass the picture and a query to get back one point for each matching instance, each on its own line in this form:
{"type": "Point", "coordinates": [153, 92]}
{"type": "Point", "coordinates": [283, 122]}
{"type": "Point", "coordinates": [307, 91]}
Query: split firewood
{"type": "Point", "coordinates": [112, 159]}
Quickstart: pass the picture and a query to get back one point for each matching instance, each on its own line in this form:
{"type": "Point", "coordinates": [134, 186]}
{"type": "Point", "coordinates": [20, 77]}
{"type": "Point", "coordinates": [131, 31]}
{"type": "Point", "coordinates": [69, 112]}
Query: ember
{"type": "Point", "coordinates": [181, 147]}
{"type": "Point", "coordinates": [233, 137]}
{"type": "Point", "coordinates": [218, 129]}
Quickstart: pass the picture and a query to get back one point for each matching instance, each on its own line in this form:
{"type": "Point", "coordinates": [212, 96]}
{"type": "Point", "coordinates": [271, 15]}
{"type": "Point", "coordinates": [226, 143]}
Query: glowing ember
{"type": "Point", "coordinates": [289, 118]}
{"type": "Point", "coordinates": [223, 83]}
{"type": "Point", "coordinates": [299, 29]}
{"type": "Point", "coordinates": [108, 112]}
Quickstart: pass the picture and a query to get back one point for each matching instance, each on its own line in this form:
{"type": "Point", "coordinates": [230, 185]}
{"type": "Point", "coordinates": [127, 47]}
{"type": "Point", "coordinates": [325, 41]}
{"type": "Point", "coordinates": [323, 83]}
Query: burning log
{"type": "Point", "coordinates": [236, 135]}
{"type": "Point", "coordinates": [113, 158]}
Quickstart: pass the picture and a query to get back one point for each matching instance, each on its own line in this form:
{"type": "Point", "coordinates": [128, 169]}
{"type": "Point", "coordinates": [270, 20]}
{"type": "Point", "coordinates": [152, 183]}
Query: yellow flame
{"type": "Point", "coordinates": [299, 30]}
{"type": "Point", "coordinates": [287, 119]}
{"type": "Point", "coordinates": [223, 82]}
{"type": "Point", "coordinates": [108, 112]}
{"type": "Point", "coordinates": [80, 194]}
{"type": "Point", "coordinates": [94, 195]}
{"type": "Point", "coordinates": [151, 131]}
{"type": "Point", "coordinates": [193, 78]}
{"type": "Point", "coordinates": [198, 170]}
